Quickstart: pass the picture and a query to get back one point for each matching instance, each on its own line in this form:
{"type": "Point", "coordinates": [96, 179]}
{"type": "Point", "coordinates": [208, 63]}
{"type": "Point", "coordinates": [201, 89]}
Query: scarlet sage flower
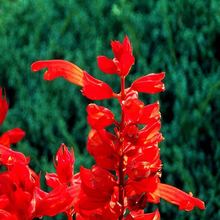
{"type": "Point", "coordinates": [177, 197]}
{"type": "Point", "coordinates": [92, 88]}
{"type": "Point", "coordinates": [12, 136]}
{"type": "Point", "coordinates": [121, 63]}
{"type": "Point", "coordinates": [127, 170]}
{"type": "Point", "coordinates": [65, 185]}
{"type": "Point", "coordinates": [150, 83]}
{"type": "Point", "coordinates": [99, 117]}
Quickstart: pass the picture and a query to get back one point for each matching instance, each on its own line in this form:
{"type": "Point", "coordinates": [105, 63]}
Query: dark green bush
{"type": "Point", "coordinates": [179, 37]}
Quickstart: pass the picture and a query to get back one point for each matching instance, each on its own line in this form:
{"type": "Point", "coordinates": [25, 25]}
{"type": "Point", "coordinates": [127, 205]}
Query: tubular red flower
{"type": "Point", "coordinates": [97, 187]}
{"type": "Point", "coordinates": [177, 197]}
{"type": "Point", "coordinates": [101, 145]}
{"type": "Point", "coordinates": [9, 157]}
{"type": "Point", "coordinates": [57, 201]}
{"type": "Point", "coordinates": [60, 68]}
{"type": "Point", "coordinates": [95, 89]}
{"type": "Point", "coordinates": [3, 107]}
{"type": "Point", "coordinates": [12, 136]}
{"type": "Point", "coordinates": [92, 88]}
{"type": "Point", "coordinates": [150, 83]}
{"type": "Point", "coordinates": [122, 62]}
{"type": "Point", "coordinates": [99, 117]}
{"type": "Point", "coordinates": [106, 65]}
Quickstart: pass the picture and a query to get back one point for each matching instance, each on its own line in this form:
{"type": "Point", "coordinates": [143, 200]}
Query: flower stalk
{"type": "Point", "coordinates": [127, 169]}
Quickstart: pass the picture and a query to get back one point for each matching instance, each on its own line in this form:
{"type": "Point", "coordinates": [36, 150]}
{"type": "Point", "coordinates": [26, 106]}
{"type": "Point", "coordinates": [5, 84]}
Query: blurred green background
{"type": "Point", "coordinates": [180, 37]}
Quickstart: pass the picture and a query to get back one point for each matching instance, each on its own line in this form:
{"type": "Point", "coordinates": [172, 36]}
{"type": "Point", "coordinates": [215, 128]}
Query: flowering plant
{"type": "Point", "coordinates": [127, 170]}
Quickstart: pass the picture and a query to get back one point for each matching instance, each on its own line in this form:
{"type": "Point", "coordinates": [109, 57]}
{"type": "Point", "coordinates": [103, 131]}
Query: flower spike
{"type": "Point", "coordinates": [127, 171]}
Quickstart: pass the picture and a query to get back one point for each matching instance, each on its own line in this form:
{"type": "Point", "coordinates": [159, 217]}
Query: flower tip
{"type": "Point", "coordinates": [36, 66]}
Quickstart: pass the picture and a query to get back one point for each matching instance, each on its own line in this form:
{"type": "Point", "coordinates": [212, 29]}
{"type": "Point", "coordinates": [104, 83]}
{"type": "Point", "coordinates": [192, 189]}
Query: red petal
{"type": "Point", "coordinates": [3, 107]}
{"type": "Point", "coordinates": [177, 197]}
{"type": "Point", "coordinates": [9, 157]}
{"type": "Point", "coordinates": [99, 116]}
{"type": "Point", "coordinates": [125, 63]}
{"type": "Point", "coordinates": [116, 48]}
{"type": "Point", "coordinates": [58, 200]}
{"type": "Point", "coordinates": [106, 65]}
{"type": "Point", "coordinates": [119, 48]}
{"type": "Point", "coordinates": [149, 111]}
{"type": "Point", "coordinates": [52, 180]}
{"type": "Point", "coordinates": [150, 83]}
{"type": "Point", "coordinates": [95, 89]}
{"type": "Point", "coordinates": [101, 146]}
{"type": "Point", "coordinates": [60, 68]}
{"type": "Point", "coordinates": [4, 215]}
{"type": "Point", "coordinates": [141, 216]}
{"type": "Point", "coordinates": [97, 187]}
{"type": "Point", "coordinates": [13, 136]}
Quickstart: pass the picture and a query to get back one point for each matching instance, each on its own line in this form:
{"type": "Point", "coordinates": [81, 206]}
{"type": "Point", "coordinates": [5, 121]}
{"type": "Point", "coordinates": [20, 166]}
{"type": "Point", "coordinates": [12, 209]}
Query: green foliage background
{"type": "Point", "coordinates": [179, 37]}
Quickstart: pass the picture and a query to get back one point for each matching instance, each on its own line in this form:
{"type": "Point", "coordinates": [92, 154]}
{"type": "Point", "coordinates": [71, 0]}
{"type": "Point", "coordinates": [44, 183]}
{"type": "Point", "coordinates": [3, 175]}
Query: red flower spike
{"type": "Point", "coordinates": [150, 83]}
{"type": "Point", "coordinates": [3, 107]}
{"type": "Point", "coordinates": [12, 136]}
{"type": "Point", "coordinates": [177, 197]}
{"type": "Point", "coordinates": [99, 117]}
{"type": "Point", "coordinates": [64, 161]}
{"type": "Point", "coordinates": [60, 68]}
{"type": "Point", "coordinates": [95, 89]}
{"type": "Point", "coordinates": [130, 152]}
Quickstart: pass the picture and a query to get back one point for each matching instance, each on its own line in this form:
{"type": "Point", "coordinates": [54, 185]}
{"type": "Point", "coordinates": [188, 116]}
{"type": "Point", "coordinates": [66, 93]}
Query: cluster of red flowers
{"type": "Point", "coordinates": [127, 170]}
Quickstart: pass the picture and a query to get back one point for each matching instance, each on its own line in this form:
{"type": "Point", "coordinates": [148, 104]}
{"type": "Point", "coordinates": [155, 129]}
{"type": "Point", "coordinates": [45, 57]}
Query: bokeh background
{"type": "Point", "coordinates": [180, 37]}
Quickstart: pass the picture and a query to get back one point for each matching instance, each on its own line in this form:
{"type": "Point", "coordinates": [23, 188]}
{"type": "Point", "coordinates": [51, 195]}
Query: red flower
{"type": "Point", "coordinates": [3, 107]}
{"type": "Point", "coordinates": [99, 117]}
{"type": "Point", "coordinates": [59, 200]}
{"type": "Point", "coordinates": [177, 197]}
{"type": "Point", "coordinates": [139, 215]}
{"type": "Point", "coordinates": [101, 145]}
{"type": "Point", "coordinates": [12, 136]}
{"type": "Point", "coordinates": [65, 185]}
{"type": "Point", "coordinates": [97, 188]}
{"type": "Point", "coordinates": [95, 89]}
{"type": "Point", "coordinates": [127, 172]}
{"type": "Point", "coordinates": [9, 157]}
{"type": "Point", "coordinates": [144, 163]}
{"type": "Point", "coordinates": [150, 83]}
{"type": "Point", "coordinates": [92, 88]}
{"type": "Point", "coordinates": [60, 68]}
{"type": "Point", "coordinates": [122, 62]}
